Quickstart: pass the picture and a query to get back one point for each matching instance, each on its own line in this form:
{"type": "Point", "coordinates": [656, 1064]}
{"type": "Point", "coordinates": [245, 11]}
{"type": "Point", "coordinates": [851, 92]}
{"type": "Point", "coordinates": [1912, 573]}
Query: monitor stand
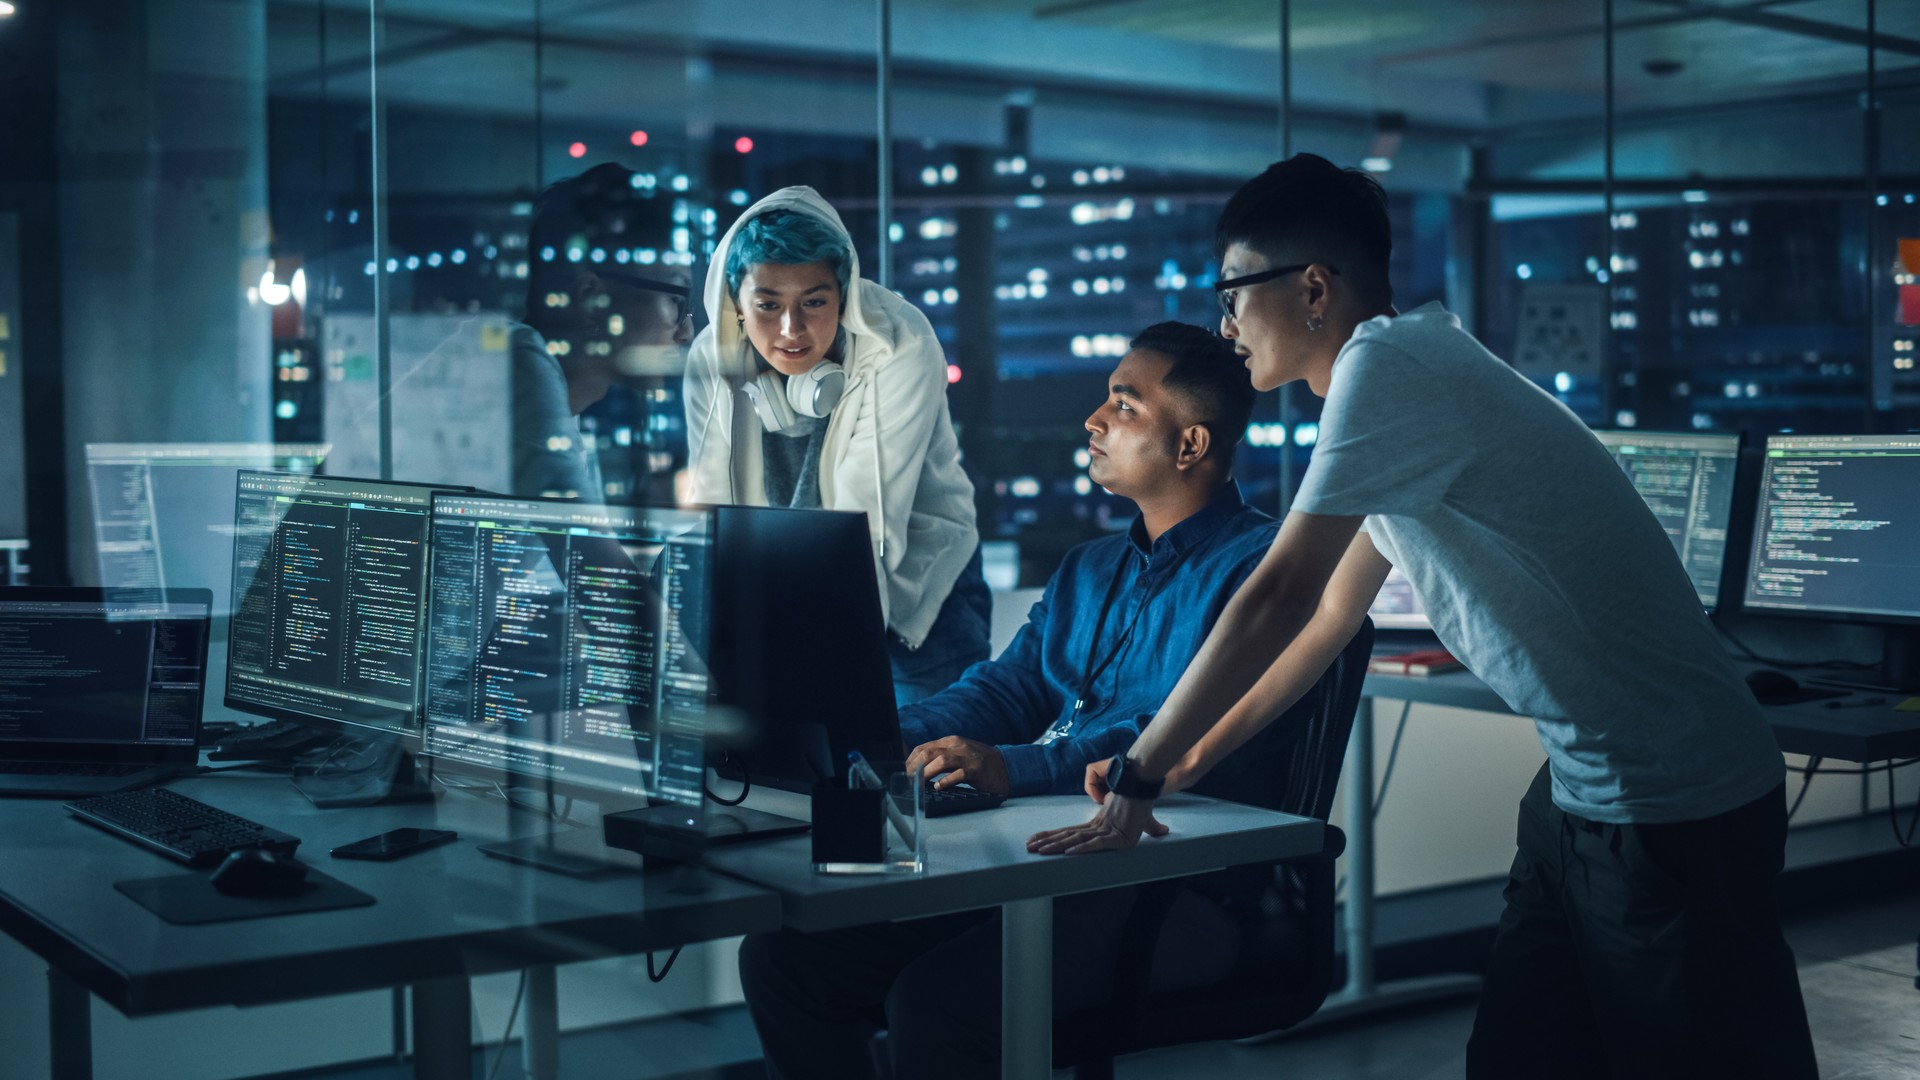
{"type": "Point", "coordinates": [679, 833]}
{"type": "Point", "coordinates": [1899, 670]}
{"type": "Point", "coordinates": [361, 772]}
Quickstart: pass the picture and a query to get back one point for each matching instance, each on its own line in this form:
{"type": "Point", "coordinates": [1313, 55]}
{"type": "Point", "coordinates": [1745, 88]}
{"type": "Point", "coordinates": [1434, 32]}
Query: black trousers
{"type": "Point", "coordinates": [1642, 951]}
{"type": "Point", "coordinates": [934, 984]}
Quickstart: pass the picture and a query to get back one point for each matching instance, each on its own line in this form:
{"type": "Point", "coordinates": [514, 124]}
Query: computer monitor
{"type": "Point", "coordinates": [799, 645]}
{"type": "Point", "coordinates": [330, 576]}
{"type": "Point", "coordinates": [1834, 537]}
{"type": "Point", "coordinates": [565, 646]}
{"type": "Point", "coordinates": [163, 512]}
{"type": "Point", "coordinates": [1687, 480]}
{"type": "Point", "coordinates": [1397, 607]}
{"type": "Point", "coordinates": [102, 674]}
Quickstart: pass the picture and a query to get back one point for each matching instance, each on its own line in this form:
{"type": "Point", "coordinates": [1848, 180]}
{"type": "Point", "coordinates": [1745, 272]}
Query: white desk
{"type": "Point", "coordinates": [981, 860]}
{"type": "Point", "coordinates": [439, 918]}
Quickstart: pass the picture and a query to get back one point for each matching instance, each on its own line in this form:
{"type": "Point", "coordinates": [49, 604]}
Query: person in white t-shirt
{"type": "Point", "coordinates": [1640, 936]}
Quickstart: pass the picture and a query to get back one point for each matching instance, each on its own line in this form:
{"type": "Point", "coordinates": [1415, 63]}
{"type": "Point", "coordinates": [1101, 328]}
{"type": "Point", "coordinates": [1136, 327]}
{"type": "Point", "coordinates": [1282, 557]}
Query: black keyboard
{"type": "Point", "coordinates": [178, 827]}
{"type": "Point", "coordinates": [959, 799]}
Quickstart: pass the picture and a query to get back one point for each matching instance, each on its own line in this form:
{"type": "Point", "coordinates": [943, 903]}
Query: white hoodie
{"type": "Point", "coordinates": [889, 451]}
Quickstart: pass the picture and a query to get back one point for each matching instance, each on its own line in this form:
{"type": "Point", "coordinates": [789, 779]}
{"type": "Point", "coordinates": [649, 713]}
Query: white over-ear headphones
{"type": "Point", "coordinates": [812, 393]}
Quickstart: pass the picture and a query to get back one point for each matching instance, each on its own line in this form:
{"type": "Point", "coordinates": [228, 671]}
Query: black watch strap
{"type": "Point", "coordinates": [1123, 780]}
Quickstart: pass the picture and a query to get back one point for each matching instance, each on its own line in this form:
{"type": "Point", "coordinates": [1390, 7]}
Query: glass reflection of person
{"type": "Point", "coordinates": [590, 322]}
{"type": "Point", "coordinates": [813, 387]}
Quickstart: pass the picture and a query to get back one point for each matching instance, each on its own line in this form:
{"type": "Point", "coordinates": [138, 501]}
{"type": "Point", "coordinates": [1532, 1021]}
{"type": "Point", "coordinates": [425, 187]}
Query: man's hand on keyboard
{"type": "Point", "coordinates": [964, 761]}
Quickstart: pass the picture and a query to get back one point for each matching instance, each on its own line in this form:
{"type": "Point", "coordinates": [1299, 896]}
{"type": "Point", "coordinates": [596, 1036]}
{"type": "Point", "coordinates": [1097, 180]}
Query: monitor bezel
{"type": "Point", "coordinates": [1858, 618]}
{"type": "Point", "coordinates": [411, 737]}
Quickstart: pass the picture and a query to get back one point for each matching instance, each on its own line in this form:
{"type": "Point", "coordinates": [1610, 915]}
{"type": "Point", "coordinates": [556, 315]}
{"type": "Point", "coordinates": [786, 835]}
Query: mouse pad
{"type": "Point", "coordinates": [189, 899]}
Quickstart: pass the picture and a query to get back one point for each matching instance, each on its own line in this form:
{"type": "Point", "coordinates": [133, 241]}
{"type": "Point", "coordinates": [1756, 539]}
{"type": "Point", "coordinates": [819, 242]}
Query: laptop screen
{"type": "Point", "coordinates": [103, 669]}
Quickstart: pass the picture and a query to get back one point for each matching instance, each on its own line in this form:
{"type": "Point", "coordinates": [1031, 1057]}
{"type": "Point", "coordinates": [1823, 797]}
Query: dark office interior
{"type": "Point", "coordinates": [268, 254]}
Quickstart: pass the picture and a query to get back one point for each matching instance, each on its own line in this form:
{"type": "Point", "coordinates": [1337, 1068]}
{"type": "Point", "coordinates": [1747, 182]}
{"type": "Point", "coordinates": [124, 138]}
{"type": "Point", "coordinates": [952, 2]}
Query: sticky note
{"type": "Point", "coordinates": [1910, 255]}
{"type": "Point", "coordinates": [1910, 304]}
{"type": "Point", "coordinates": [1912, 704]}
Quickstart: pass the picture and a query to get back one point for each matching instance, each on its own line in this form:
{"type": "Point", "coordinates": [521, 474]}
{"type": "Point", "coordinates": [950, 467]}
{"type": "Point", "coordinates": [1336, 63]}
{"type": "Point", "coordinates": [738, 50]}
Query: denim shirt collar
{"type": "Point", "coordinates": [1190, 531]}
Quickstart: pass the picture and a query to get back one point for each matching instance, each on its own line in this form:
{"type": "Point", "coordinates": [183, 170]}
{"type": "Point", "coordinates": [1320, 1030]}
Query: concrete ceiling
{"type": "Point", "coordinates": [1458, 69]}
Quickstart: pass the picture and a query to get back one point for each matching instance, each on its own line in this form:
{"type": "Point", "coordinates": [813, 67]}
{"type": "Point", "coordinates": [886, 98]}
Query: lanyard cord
{"type": "Point", "coordinates": [1093, 643]}
{"type": "Point", "coordinates": [1113, 589]}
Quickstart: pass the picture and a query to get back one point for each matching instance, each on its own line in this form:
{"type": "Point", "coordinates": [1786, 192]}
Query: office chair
{"type": "Point", "coordinates": [1287, 962]}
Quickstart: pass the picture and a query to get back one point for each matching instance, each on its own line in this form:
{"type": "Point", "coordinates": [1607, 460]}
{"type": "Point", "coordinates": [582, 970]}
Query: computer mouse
{"type": "Point", "coordinates": [259, 872]}
{"type": "Point", "coordinates": [1772, 686]}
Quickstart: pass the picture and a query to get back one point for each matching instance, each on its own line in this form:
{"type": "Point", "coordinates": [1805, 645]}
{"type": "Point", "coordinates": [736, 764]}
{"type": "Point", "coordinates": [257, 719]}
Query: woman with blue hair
{"type": "Point", "coordinates": [812, 387]}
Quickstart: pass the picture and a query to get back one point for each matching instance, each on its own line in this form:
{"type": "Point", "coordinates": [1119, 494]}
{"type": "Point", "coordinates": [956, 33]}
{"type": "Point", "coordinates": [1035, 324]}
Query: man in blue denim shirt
{"type": "Point", "coordinates": [1119, 621]}
{"type": "Point", "coordinates": [1120, 618]}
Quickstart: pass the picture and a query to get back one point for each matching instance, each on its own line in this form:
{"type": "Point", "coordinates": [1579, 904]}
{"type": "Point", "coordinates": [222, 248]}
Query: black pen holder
{"type": "Point", "coordinates": [849, 828]}
{"type": "Point", "coordinates": [864, 829]}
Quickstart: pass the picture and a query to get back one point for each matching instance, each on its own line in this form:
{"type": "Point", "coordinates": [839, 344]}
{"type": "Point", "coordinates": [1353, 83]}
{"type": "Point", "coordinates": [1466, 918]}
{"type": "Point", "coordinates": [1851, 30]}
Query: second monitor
{"type": "Point", "coordinates": [565, 645]}
{"type": "Point", "coordinates": [1687, 481]}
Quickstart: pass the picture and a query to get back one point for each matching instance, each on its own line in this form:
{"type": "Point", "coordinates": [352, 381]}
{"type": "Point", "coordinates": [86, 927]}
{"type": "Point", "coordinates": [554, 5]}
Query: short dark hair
{"type": "Point", "coordinates": [600, 208]}
{"type": "Point", "coordinates": [1308, 208]}
{"type": "Point", "coordinates": [1209, 375]}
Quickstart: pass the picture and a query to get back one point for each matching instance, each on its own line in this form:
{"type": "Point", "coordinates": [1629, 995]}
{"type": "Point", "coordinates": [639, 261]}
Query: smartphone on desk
{"type": "Point", "coordinates": [394, 844]}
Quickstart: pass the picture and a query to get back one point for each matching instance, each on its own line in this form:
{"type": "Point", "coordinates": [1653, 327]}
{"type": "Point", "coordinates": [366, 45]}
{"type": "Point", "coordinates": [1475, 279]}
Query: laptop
{"type": "Point", "coordinates": [100, 689]}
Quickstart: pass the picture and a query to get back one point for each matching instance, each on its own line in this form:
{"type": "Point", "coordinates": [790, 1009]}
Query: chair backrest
{"type": "Point", "coordinates": [1287, 959]}
{"type": "Point", "coordinates": [1313, 765]}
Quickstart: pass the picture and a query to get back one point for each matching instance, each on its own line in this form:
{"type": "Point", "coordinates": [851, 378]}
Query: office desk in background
{"type": "Point", "coordinates": [980, 860]}
{"type": "Point", "coordinates": [1849, 734]}
{"type": "Point", "coordinates": [440, 917]}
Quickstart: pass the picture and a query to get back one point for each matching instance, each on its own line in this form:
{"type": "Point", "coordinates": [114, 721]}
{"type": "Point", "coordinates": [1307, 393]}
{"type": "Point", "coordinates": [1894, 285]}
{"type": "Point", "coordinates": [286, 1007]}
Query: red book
{"type": "Point", "coordinates": [1419, 662]}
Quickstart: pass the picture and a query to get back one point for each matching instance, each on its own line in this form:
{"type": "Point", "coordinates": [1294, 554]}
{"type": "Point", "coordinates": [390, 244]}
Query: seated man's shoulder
{"type": "Point", "coordinates": [1249, 529]}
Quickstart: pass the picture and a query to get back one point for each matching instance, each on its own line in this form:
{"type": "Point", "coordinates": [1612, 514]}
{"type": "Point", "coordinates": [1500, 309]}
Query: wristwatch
{"type": "Point", "coordinates": [1123, 778]}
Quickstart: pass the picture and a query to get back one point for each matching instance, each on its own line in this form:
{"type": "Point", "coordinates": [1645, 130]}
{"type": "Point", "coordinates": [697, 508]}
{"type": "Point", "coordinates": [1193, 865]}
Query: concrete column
{"type": "Point", "coordinates": [163, 172]}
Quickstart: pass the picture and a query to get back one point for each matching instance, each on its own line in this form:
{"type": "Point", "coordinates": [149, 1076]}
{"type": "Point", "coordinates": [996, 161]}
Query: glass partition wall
{"type": "Point", "coordinates": [308, 222]}
{"type": "Point", "coordinates": [466, 244]}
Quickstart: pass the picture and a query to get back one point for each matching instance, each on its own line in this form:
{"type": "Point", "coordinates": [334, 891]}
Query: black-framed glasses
{"type": "Point", "coordinates": [682, 294]}
{"type": "Point", "coordinates": [1225, 289]}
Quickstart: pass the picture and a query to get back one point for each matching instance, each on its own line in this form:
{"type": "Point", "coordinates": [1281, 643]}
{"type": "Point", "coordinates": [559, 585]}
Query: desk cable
{"type": "Point", "coordinates": [1846, 665]}
{"type": "Point", "coordinates": [746, 785]}
{"type": "Point", "coordinates": [1812, 769]}
{"type": "Point", "coordinates": [506, 1033]}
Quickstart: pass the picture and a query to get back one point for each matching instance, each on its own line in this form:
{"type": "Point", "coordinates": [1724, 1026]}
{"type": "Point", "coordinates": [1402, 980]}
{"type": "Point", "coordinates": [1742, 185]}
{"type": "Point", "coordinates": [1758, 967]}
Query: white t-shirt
{"type": "Point", "coordinates": [1542, 570]}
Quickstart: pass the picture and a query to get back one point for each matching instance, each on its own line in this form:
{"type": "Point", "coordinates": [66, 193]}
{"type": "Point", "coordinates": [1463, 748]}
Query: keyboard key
{"type": "Point", "coordinates": [177, 826]}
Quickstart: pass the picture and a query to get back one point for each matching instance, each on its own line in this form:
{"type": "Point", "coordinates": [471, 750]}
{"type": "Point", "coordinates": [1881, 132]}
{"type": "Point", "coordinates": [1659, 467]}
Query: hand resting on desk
{"type": "Point", "coordinates": [964, 761]}
{"type": "Point", "coordinates": [1116, 826]}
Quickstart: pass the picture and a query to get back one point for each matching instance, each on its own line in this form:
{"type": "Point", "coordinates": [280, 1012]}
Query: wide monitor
{"type": "Point", "coordinates": [799, 645]}
{"type": "Point", "coordinates": [163, 512]}
{"type": "Point", "coordinates": [1834, 537]}
{"type": "Point", "coordinates": [1687, 481]}
{"type": "Point", "coordinates": [566, 645]}
{"type": "Point", "coordinates": [330, 579]}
